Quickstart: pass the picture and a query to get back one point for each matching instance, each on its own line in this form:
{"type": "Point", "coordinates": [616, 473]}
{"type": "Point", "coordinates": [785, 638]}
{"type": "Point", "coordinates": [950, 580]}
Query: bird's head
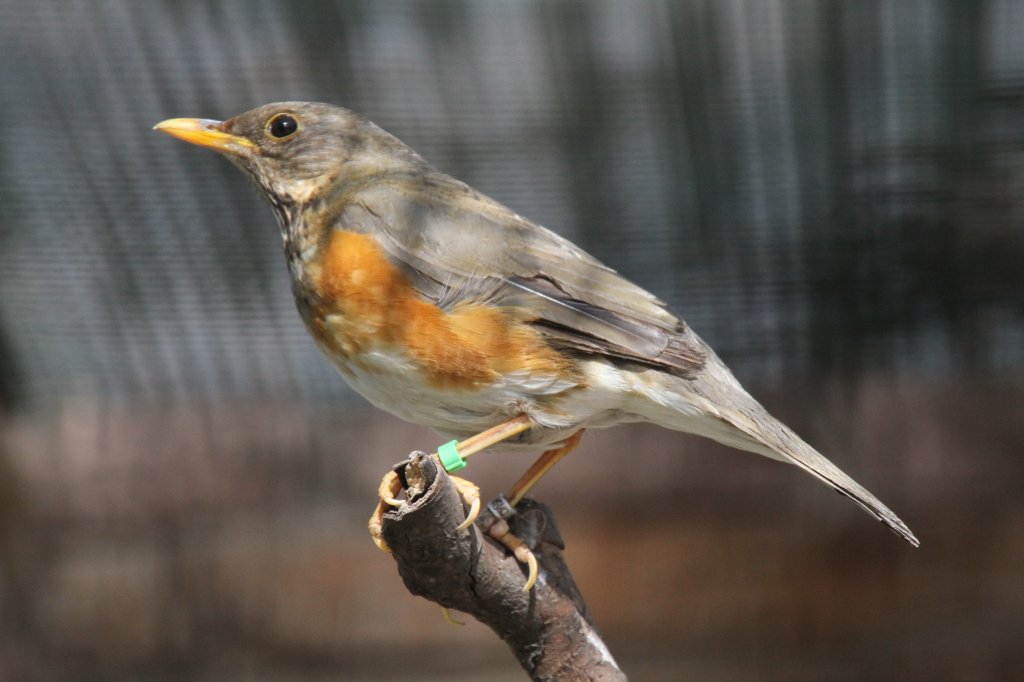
{"type": "Point", "coordinates": [295, 151]}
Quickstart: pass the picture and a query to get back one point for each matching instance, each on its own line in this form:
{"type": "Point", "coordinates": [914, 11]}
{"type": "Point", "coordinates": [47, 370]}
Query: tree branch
{"type": "Point", "coordinates": [549, 628]}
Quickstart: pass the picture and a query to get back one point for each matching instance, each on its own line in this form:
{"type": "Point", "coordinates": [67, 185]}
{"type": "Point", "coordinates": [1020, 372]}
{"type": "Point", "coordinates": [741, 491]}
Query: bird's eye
{"type": "Point", "coordinates": [282, 126]}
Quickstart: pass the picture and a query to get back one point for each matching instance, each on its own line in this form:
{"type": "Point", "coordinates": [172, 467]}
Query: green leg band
{"type": "Point", "coordinates": [450, 457]}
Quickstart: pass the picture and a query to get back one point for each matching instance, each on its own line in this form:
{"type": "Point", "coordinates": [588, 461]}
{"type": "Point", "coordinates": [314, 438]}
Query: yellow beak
{"type": "Point", "coordinates": [205, 133]}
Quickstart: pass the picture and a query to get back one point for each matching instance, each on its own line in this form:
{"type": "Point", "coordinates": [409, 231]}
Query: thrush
{"type": "Point", "coordinates": [446, 308]}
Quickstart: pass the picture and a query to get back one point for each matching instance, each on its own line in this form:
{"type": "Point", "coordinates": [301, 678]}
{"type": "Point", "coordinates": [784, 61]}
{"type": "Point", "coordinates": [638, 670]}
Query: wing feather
{"type": "Point", "coordinates": [458, 245]}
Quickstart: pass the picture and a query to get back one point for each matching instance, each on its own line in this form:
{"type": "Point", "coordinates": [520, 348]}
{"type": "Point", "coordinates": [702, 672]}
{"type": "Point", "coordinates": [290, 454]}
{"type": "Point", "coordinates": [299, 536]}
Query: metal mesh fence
{"type": "Point", "coordinates": [813, 185]}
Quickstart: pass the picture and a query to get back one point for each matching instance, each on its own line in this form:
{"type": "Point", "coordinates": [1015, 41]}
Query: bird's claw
{"type": "Point", "coordinates": [391, 486]}
{"type": "Point", "coordinates": [501, 532]}
{"type": "Point", "coordinates": [470, 494]}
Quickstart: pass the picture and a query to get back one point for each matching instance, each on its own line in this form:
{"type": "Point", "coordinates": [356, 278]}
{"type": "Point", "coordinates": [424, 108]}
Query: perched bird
{"type": "Point", "coordinates": [447, 309]}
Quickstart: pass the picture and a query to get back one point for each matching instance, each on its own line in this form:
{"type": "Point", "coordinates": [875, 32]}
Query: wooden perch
{"type": "Point", "coordinates": [549, 628]}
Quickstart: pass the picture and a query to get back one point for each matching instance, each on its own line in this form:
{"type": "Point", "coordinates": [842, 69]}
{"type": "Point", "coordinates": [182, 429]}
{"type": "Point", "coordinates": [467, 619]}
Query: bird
{"type": "Point", "coordinates": [448, 309]}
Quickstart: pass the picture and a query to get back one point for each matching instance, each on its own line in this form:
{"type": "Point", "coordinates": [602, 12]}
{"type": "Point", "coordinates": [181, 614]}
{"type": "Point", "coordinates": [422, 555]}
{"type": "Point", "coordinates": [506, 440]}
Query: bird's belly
{"type": "Point", "coordinates": [559, 407]}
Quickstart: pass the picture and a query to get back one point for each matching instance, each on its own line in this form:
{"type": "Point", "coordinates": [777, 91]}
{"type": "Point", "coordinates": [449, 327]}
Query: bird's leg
{"type": "Point", "coordinates": [504, 507]}
{"type": "Point", "coordinates": [494, 435]}
{"type": "Point", "coordinates": [543, 465]}
{"type": "Point", "coordinates": [391, 484]}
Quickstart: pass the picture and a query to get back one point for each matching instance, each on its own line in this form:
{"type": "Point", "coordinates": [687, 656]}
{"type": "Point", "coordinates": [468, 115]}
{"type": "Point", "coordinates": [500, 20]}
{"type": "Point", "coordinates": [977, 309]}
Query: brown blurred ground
{"type": "Point", "coordinates": [131, 553]}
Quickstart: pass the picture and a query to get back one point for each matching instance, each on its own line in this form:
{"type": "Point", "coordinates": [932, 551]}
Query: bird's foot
{"type": "Point", "coordinates": [391, 486]}
{"type": "Point", "coordinates": [470, 495]}
{"type": "Point", "coordinates": [498, 529]}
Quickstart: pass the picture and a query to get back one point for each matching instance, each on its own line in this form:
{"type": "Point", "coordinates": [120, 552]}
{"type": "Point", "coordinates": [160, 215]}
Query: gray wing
{"type": "Point", "coordinates": [458, 245]}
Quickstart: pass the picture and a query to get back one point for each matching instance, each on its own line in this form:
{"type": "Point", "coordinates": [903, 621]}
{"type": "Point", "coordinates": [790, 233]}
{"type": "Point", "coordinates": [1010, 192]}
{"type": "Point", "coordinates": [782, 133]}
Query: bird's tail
{"type": "Point", "coordinates": [773, 438]}
{"type": "Point", "coordinates": [714, 405]}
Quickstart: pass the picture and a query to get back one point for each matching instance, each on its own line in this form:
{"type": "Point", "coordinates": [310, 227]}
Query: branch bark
{"type": "Point", "coordinates": [549, 628]}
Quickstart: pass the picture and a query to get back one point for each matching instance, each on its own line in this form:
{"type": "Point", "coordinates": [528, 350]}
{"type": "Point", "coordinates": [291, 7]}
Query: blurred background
{"type": "Point", "coordinates": [831, 193]}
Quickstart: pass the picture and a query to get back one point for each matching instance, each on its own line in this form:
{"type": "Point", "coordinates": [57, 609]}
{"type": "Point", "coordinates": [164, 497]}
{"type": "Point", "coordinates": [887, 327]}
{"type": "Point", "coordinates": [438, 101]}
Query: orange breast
{"type": "Point", "coordinates": [366, 302]}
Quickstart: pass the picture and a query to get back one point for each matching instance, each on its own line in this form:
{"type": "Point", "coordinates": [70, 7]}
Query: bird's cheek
{"type": "Point", "coordinates": [300, 190]}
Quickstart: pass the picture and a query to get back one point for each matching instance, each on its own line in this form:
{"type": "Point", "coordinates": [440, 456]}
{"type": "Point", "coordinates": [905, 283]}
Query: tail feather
{"type": "Point", "coordinates": [714, 404]}
{"type": "Point", "coordinates": [771, 437]}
